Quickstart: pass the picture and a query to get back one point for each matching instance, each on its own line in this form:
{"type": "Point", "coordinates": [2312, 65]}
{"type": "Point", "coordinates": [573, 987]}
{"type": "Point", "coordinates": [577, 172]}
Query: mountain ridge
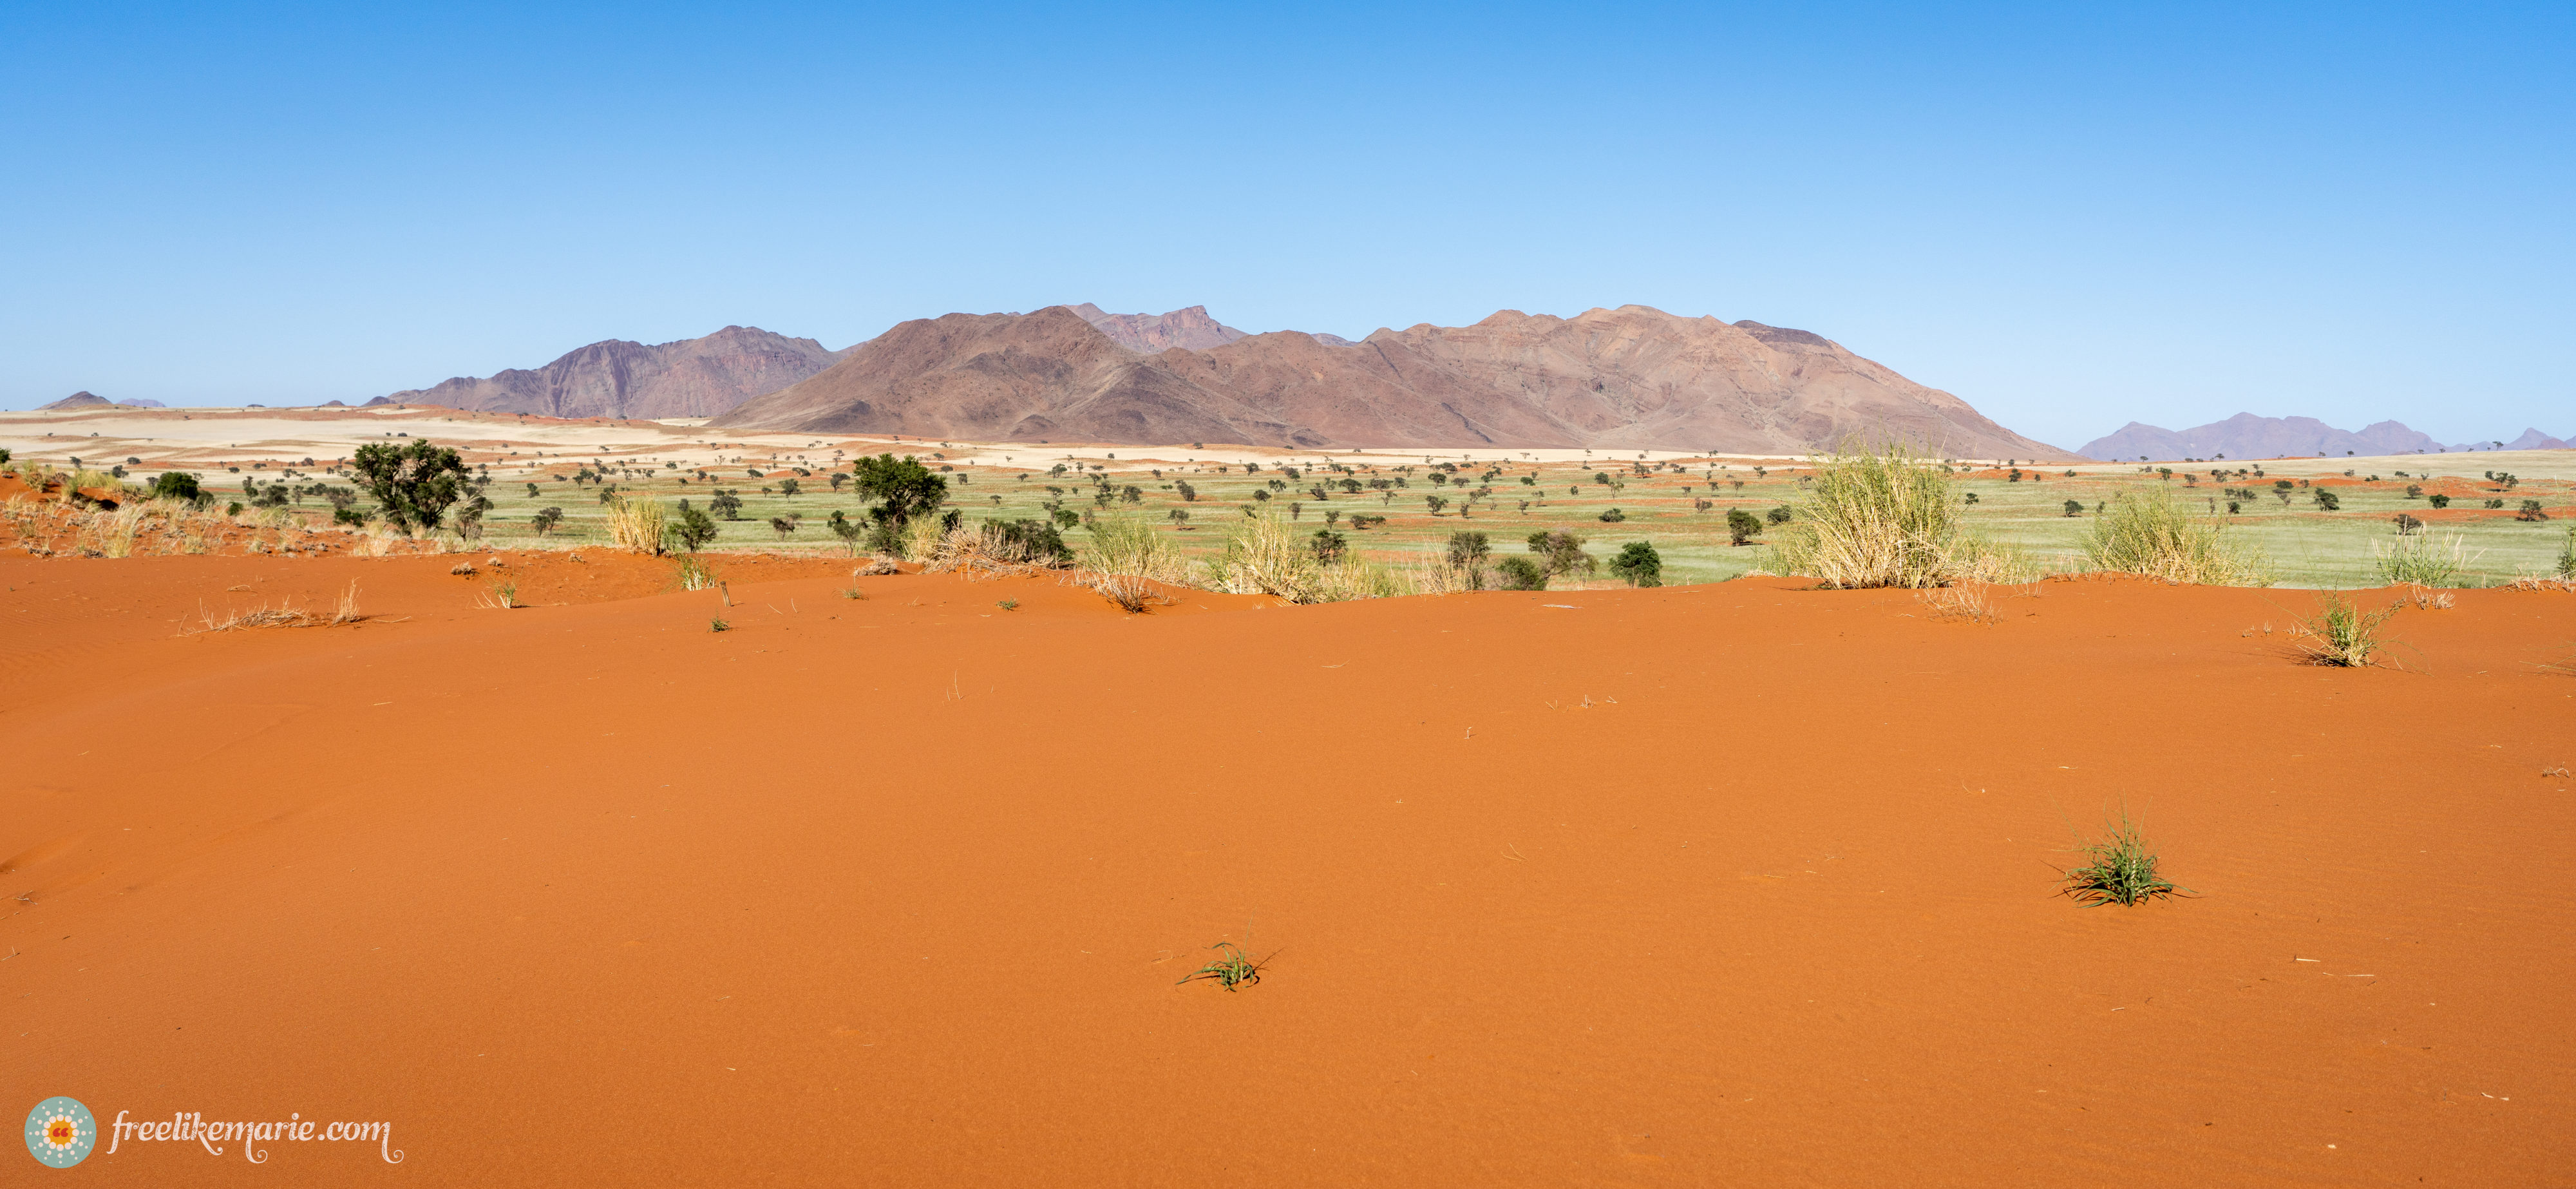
{"type": "Point", "coordinates": [1630, 378]}
{"type": "Point", "coordinates": [2246, 435]}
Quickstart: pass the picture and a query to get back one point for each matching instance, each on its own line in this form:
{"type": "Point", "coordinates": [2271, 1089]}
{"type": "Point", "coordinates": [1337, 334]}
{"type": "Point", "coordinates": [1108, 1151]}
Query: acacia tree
{"type": "Point", "coordinates": [413, 484]}
{"type": "Point", "coordinates": [903, 488]}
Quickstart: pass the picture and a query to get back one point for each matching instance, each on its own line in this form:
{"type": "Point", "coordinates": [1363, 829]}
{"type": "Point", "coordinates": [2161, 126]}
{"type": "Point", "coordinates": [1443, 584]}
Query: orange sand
{"type": "Point", "coordinates": [1721, 885]}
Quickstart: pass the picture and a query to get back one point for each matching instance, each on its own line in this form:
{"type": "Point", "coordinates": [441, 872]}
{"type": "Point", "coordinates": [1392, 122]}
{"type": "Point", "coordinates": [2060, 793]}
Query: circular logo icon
{"type": "Point", "coordinates": [60, 1132]}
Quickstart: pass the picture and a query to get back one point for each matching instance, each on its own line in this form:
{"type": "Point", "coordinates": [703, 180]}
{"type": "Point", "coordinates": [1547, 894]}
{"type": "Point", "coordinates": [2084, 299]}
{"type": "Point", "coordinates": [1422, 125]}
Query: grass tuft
{"type": "Point", "coordinates": [2431, 558]}
{"type": "Point", "coordinates": [2120, 869]}
{"type": "Point", "coordinates": [718, 625]}
{"type": "Point", "coordinates": [2343, 634]}
{"type": "Point", "coordinates": [2153, 534]}
{"type": "Point", "coordinates": [1232, 968]}
{"type": "Point", "coordinates": [634, 522]}
{"type": "Point", "coordinates": [1877, 516]}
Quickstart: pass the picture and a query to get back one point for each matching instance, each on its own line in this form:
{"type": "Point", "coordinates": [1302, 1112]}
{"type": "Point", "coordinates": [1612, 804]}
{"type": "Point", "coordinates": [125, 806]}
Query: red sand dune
{"type": "Point", "coordinates": [1737, 884]}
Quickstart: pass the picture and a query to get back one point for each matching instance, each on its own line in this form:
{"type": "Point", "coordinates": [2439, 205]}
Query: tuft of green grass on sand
{"type": "Point", "coordinates": [1232, 968]}
{"type": "Point", "coordinates": [2119, 869]}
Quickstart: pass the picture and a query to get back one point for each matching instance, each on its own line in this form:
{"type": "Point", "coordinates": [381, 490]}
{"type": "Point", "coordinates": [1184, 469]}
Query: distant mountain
{"type": "Point", "coordinates": [2533, 439]}
{"type": "Point", "coordinates": [1630, 378]}
{"type": "Point", "coordinates": [137, 402]}
{"type": "Point", "coordinates": [77, 400]}
{"type": "Point", "coordinates": [698, 377]}
{"type": "Point", "coordinates": [1189, 329]}
{"type": "Point", "coordinates": [2248, 436]}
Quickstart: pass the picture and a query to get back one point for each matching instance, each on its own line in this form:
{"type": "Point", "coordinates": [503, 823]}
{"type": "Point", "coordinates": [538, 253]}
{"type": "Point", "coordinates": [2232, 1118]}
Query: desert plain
{"type": "Point", "coordinates": [899, 878]}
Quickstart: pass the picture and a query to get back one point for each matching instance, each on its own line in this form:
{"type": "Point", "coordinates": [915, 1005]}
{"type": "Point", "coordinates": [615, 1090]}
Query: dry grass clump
{"type": "Point", "coordinates": [2343, 634]}
{"type": "Point", "coordinates": [285, 615]}
{"type": "Point", "coordinates": [634, 523]}
{"type": "Point", "coordinates": [2431, 558]}
{"type": "Point", "coordinates": [1128, 563]}
{"type": "Point", "coordinates": [1959, 602]}
{"type": "Point", "coordinates": [1262, 555]}
{"type": "Point", "coordinates": [980, 551]}
{"type": "Point", "coordinates": [2153, 534]}
{"type": "Point", "coordinates": [921, 538]}
{"type": "Point", "coordinates": [1879, 516]}
{"type": "Point", "coordinates": [876, 567]}
{"type": "Point", "coordinates": [2429, 600]}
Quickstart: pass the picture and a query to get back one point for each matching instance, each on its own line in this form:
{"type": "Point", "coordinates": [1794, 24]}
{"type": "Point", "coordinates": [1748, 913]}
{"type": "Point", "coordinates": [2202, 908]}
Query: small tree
{"type": "Point", "coordinates": [1520, 573]}
{"type": "Point", "coordinates": [787, 487]}
{"type": "Point", "coordinates": [545, 520]}
{"type": "Point", "coordinates": [1560, 552]}
{"type": "Point", "coordinates": [1638, 564]}
{"type": "Point", "coordinates": [2326, 500]}
{"type": "Point", "coordinates": [2438, 500]}
{"type": "Point", "coordinates": [689, 529]}
{"type": "Point", "coordinates": [903, 488]}
{"type": "Point", "coordinates": [726, 504]}
{"type": "Point", "coordinates": [1436, 502]}
{"type": "Point", "coordinates": [1781, 514]}
{"type": "Point", "coordinates": [176, 485]}
{"type": "Point", "coordinates": [414, 484]}
{"type": "Point", "coordinates": [782, 525]}
{"type": "Point", "coordinates": [1613, 516]}
{"type": "Point", "coordinates": [1742, 526]}
{"type": "Point", "coordinates": [1468, 549]}
{"type": "Point", "coordinates": [2074, 508]}
{"type": "Point", "coordinates": [1329, 546]}
{"type": "Point", "coordinates": [2531, 511]}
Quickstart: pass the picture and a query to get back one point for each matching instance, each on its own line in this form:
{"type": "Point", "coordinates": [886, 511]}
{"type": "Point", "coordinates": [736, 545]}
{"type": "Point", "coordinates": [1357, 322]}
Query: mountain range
{"type": "Point", "coordinates": [91, 400]}
{"type": "Point", "coordinates": [698, 377]}
{"type": "Point", "coordinates": [2248, 436]}
{"type": "Point", "coordinates": [1630, 378]}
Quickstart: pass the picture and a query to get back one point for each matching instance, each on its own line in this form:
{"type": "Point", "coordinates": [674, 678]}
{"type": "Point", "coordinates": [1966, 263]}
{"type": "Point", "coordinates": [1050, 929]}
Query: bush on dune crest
{"type": "Point", "coordinates": [1877, 516]}
{"type": "Point", "coordinates": [1263, 555]}
{"type": "Point", "coordinates": [2153, 534]}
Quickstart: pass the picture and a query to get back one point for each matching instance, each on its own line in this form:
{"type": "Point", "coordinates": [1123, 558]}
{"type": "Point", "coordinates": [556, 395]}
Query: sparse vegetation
{"type": "Point", "coordinates": [2118, 869]}
{"type": "Point", "coordinates": [1875, 517]}
{"type": "Point", "coordinates": [413, 485]}
{"type": "Point", "coordinates": [2153, 534]}
{"type": "Point", "coordinates": [1231, 969]}
{"type": "Point", "coordinates": [2341, 633]}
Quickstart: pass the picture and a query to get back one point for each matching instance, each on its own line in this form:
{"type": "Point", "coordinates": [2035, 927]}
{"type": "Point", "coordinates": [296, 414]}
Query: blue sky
{"type": "Point", "coordinates": [2071, 215]}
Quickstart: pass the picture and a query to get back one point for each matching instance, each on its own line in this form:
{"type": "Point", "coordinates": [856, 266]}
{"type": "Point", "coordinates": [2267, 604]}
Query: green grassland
{"type": "Point", "coordinates": [1679, 506]}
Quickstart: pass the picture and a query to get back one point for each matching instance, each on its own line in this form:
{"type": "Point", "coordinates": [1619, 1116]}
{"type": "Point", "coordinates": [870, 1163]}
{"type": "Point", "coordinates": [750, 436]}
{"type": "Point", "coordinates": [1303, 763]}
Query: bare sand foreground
{"type": "Point", "coordinates": [1739, 884]}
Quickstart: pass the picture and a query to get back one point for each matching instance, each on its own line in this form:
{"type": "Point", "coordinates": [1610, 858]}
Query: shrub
{"type": "Point", "coordinates": [1742, 526]}
{"type": "Point", "coordinates": [726, 504]}
{"type": "Point", "coordinates": [176, 485]}
{"type": "Point", "coordinates": [1329, 546]}
{"type": "Point", "coordinates": [1780, 515]}
{"type": "Point", "coordinates": [2341, 633]}
{"type": "Point", "coordinates": [2074, 508]}
{"type": "Point", "coordinates": [1468, 549]}
{"type": "Point", "coordinates": [545, 520]}
{"type": "Point", "coordinates": [690, 530]}
{"type": "Point", "coordinates": [2405, 524]}
{"type": "Point", "coordinates": [1519, 573]}
{"type": "Point", "coordinates": [1638, 565]}
{"type": "Point", "coordinates": [1031, 542]}
{"type": "Point", "coordinates": [2326, 500]}
{"type": "Point", "coordinates": [2438, 500]}
{"type": "Point", "coordinates": [782, 525]}
{"type": "Point", "coordinates": [1613, 516]}
{"type": "Point", "coordinates": [2119, 869]}
{"type": "Point", "coordinates": [718, 625]}
{"type": "Point", "coordinates": [1131, 548]}
{"type": "Point", "coordinates": [2531, 511]}
{"type": "Point", "coordinates": [2424, 559]}
{"type": "Point", "coordinates": [1876, 517]}
{"type": "Point", "coordinates": [2567, 557]}
{"type": "Point", "coordinates": [2151, 533]}
{"type": "Point", "coordinates": [413, 484]}
{"type": "Point", "coordinates": [1560, 553]}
